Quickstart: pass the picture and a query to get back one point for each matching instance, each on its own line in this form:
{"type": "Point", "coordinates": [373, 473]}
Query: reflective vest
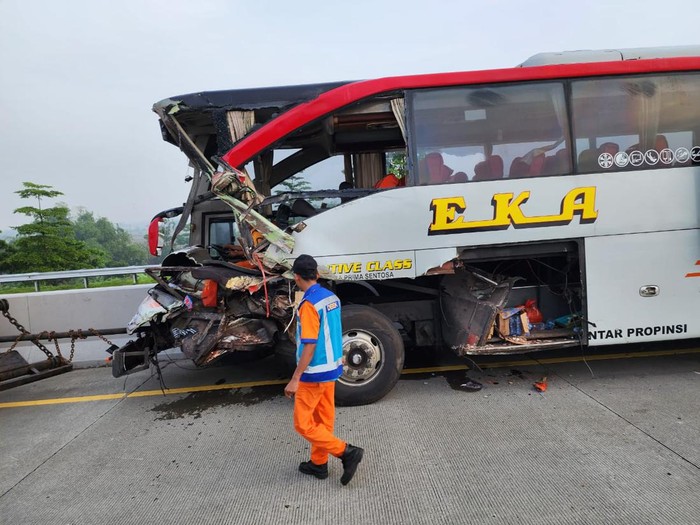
{"type": "Point", "coordinates": [326, 364]}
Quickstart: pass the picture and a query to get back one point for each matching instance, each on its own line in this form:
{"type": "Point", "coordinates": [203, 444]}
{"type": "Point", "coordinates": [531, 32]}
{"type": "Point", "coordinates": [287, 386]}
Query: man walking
{"type": "Point", "coordinates": [319, 365]}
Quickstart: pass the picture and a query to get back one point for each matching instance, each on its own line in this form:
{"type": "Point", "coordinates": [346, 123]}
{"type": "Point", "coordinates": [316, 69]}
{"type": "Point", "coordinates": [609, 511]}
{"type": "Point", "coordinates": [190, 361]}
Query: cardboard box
{"type": "Point", "coordinates": [512, 322]}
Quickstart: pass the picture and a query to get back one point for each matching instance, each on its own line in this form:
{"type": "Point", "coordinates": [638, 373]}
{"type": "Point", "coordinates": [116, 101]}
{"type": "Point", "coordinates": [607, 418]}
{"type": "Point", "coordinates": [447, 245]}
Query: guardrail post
{"type": "Point", "coordinates": [36, 286]}
{"type": "Point", "coordinates": [85, 282]}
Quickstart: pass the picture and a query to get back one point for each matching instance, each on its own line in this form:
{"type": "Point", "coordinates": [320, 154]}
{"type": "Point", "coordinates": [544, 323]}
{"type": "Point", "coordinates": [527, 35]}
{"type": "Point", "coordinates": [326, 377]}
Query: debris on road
{"type": "Point", "coordinates": [541, 385]}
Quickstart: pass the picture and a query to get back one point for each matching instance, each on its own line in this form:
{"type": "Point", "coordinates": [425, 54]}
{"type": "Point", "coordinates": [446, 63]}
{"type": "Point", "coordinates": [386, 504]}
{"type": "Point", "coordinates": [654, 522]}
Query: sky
{"type": "Point", "coordinates": [79, 77]}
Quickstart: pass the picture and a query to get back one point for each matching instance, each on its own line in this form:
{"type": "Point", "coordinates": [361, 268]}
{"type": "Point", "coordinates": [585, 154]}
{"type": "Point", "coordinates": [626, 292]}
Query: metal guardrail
{"type": "Point", "coordinates": [85, 275]}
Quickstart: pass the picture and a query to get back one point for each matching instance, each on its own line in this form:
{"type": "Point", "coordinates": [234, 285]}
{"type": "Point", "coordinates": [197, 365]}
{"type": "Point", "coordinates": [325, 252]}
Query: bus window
{"type": "Point", "coordinates": [488, 133]}
{"type": "Point", "coordinates": [635, 122]}
{"type": "Point", "coordinates": [222, 232]}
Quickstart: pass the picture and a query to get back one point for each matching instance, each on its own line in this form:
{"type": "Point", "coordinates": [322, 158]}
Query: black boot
{"type": "Point", "coordinates": [350, 458]}
{"type": "Point", "coordinates": [319, 471]}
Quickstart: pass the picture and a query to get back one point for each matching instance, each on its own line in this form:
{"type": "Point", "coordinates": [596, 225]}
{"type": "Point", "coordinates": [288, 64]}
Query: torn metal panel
{"type": "Point", "coordinates": [183, 140]}
{"type": "Point", "coordinates": [469, 303]}
{"type": "Point", "coordinates": [206, 336]}
{"type": "Point", "coordinates": [157, 305]}
{"type": "Point", "coordinates": [226, 186]}
{"type": "Point", "coordinates": [197, 158]}
{"type": "Point", "coordinates": [436, 261]}
{"type": "Point", "coordinates": [197, 333]}
{"type": "Point", "coordinates": [275, 256]}
{"type": "Point", "coordinates": [246, 334]}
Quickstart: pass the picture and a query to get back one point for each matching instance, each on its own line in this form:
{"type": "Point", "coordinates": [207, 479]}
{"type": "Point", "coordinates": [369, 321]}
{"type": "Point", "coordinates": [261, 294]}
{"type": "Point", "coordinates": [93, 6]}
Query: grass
{"type": "Point", "coordinates": [75, 284]}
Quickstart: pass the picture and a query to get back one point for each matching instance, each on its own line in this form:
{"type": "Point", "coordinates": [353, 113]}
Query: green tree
{"type": "Point", "coordinates": [5, 251]}
{"type": "Point", "coordinates": [48, 242]}
{"type": "Point", "coordinates": [116, 242]}
{"type": "Point", "coordinates": [396, 164]}
{"type": "Point", "coordinates": [295, 183]}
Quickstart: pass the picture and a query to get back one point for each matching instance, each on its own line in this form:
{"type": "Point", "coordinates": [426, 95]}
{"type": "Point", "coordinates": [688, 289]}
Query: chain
{"type": "Point", "coordinates": [19, 338]}
{"type": "Point", "coordinates": [78, 334]}
{"type": "Point", "coordinates": [4, 308]}
{"type": "Point", "coordinates": [50, 336]}
{"type": "Point", "coordinates": [98, 334]}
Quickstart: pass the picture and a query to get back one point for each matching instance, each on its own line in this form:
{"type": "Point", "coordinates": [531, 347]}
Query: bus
{"type": "Point", "coordinates": [553, 204]}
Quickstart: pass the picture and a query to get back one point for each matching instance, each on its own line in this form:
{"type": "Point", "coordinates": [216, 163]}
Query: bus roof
{"type": "Point", "coordinates": [277, 97]}
{"type": "Point", "coordinates": [202, 114]}
{"type": "Point", "coordinates": [351, 93]}
{"type": "Point", "coordinates": [610, 55]}
{"type": "Point", "coordinates": [202, 117]}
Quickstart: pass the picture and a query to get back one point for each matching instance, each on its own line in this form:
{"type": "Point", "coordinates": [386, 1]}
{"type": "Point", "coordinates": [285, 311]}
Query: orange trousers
{"type": "Point", "coordinates": [314, 416]}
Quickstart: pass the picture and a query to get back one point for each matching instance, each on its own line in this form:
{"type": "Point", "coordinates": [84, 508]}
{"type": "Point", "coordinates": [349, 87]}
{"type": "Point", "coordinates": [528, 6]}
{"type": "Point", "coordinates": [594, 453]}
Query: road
{"type": "Point", "coordinates": [613, 439]}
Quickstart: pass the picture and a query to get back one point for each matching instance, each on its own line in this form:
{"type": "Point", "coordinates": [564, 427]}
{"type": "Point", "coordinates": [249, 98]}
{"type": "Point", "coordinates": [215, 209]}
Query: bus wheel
{"type": "Point", "coordinates": [373, 356]}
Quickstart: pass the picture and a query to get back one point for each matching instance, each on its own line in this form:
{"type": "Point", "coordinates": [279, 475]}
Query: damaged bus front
{"type": "Point", "coordinates": [484, 211]}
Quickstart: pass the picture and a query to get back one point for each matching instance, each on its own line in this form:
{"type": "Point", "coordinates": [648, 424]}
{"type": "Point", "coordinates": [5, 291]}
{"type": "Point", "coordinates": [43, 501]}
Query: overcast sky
{"type": "Point", "coordinates": [79, 77]}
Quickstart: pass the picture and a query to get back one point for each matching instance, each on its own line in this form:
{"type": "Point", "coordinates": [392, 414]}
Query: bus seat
{"type": "Point", "coordinates": [563, 161]}
{"type": "Point", "coordinates": [661, 142]}
{"type": "Point", "coordinates": [446, 173]}
{"type": "Point", "coordinates": [303, 208]}
{"type": "Point", "coordinates": [537, 165]}
{"type": "Point", "coordinates": [551, 165]}
{"type": "Point", "coordinates": [390, 181]}
{"type": "Point", "coordinates": [438, 172]}
{"type": "Point", "coordinates": [460, 176]}
{"type": "Point", "coordinates": [563, 156]}
{"type": "Point", "coordinates": [489, 169]}
{"type": "Point", "coordinates": [282, 215]}
{"type": "Point", "coordinates": [608, 147]}
{"type": "Point", "coordinates": [588, 160]}
{"type": "Point", "coordinates": [518, 168]}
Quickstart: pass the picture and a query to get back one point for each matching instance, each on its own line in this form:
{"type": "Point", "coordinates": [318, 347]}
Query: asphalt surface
{"type": "Point", "coordinates": [611, 440]}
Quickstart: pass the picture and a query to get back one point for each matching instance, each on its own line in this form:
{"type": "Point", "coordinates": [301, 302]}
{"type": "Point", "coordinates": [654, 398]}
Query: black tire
{"type": "Point", "coordinates": [373, 354]}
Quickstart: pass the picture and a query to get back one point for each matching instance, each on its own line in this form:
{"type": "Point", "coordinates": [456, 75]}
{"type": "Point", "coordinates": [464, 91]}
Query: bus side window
{"type": "Point", "coordinates": [481, 130]}
{"type": "Point", "coordinates": [652, 120]}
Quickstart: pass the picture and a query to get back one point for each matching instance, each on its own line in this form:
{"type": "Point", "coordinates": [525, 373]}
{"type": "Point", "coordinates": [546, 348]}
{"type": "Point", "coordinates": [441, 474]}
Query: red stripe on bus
{"type": "Point", "coordinates": [693, 274]}
{"type": "Point", "coordinates": [349, 93]}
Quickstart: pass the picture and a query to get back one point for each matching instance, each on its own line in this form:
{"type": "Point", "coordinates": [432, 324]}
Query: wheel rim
{"type": "Point", "coordinates": [362, 357]}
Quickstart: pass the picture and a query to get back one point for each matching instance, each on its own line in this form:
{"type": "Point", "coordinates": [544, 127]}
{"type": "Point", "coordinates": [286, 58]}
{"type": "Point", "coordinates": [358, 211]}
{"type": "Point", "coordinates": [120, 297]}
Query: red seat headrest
{"type": "Point", "coordinates": [489, 169]}
{"type": "Point", "coordinates": [437, 171]}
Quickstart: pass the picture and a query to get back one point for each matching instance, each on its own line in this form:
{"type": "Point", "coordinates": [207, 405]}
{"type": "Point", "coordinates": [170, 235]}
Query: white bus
{"type": "Point", "coordinates": [547, 205]}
